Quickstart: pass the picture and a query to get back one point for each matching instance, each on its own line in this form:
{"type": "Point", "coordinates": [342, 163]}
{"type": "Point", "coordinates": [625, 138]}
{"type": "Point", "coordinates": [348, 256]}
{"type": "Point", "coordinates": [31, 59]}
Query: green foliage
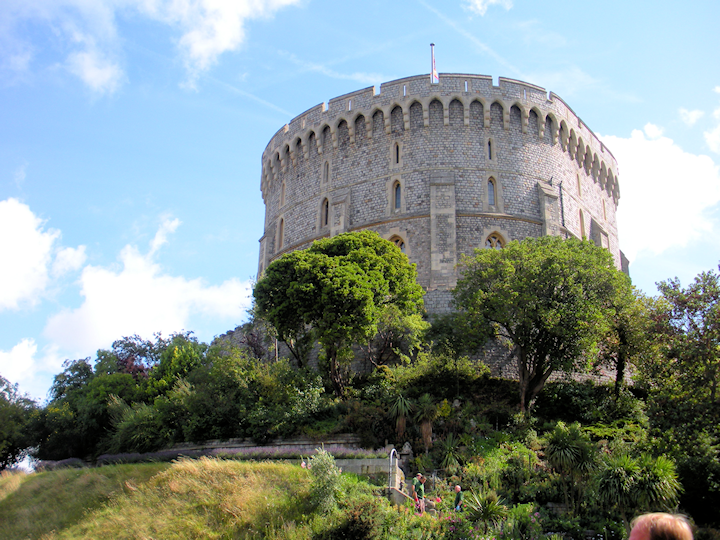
{"type": "Point", "coordinates": [326, 480]}
{"type": "Point", "coordinates": [486, 508]}
{"type": "Point", "coordinates": [549, 297]}
{"type": "Point", "coordinates": [570, 452]}
{"type": "Point", "coordinates": [450, 451]}
{"type": "Point", "coordinates": [335, 292]}
{"type": "Point", "coordinates": [16, 412]}
{"type": "Point", "coordinates": [440, 374]}
{"type": "Point", "coordinates": [588, 403]}
{"type": "Point", "coordinates": [137, 428]}
{"type": "Point", "coordinates": [400, 409]}
{"type": "Point", "coordinates": [692, 326]}
{"type": "Point", "coordinates": [627, 484]}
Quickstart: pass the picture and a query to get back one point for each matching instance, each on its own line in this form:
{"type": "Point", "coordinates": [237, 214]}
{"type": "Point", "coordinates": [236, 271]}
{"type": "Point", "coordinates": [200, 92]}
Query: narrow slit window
{"type": "Point", "coordinates": [280, 233]}
{"type": "Point", "coordinates": [491, 192]}
{"type": "Point", "coordinates": [404, 90]}
{"type": "Point", "coordinates": [582, 225]}
{"type": "Point", "coordinates": [490, 150]}
{"type": "Point", "coordinates": [325, 216]}
{"type": "Point", "coordinates": [282, 194]}
{"type": "Point", "coordinates": [466, 86]}
{"type": "Point", "coordinates": [397, 154]}
{"type": "Point", "coordinates": [326, 172]}
{"type": "Point", "coordinates": [397, 196]}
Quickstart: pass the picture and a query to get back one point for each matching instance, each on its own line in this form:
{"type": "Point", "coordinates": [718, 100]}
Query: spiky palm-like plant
{"type": "Point", "coordinates": [629, 484]}
{"type": "Point", "coordinates": [400, 410]}
{"type": "Point", "coordinates": [451, 453]}
{"type": "Point", "coordinates": [572, 455]}
{"type": "Point", "coordinates": [486, 508]}
{"type": "Point", "coordinates": [425, 416]}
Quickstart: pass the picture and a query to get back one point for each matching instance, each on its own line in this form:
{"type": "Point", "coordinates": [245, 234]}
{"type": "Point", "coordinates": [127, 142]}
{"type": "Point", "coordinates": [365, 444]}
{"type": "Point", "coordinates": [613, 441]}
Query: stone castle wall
{"type": "Point", "coordinates": [419, 162]}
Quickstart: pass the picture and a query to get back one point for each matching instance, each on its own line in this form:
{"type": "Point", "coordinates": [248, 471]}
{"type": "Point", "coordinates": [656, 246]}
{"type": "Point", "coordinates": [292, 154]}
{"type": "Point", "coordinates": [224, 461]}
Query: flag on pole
{"type": "Point", "coordinates": [434, 79]}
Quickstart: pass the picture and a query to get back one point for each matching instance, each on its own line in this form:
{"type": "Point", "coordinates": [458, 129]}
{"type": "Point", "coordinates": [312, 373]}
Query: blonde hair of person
{"type": "Point", "coordinates": [661, 526]}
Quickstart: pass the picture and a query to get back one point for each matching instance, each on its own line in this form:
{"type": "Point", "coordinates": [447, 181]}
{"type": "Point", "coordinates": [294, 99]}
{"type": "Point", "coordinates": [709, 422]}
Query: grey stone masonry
{"type": "Point", "coordinates": [441, 170]}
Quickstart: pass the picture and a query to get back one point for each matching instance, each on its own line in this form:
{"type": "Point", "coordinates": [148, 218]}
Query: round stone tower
{"type": "Point", "coordinates": [439, 169]}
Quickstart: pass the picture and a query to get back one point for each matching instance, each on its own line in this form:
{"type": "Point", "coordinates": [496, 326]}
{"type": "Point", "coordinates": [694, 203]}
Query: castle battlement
{"type": "Point", "coordinates": [439, 169]}
{"type": "Point", "coordinates": [566, 126]}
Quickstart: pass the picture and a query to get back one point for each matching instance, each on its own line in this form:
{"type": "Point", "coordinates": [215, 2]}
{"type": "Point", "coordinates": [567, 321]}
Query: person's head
{"type": "Point", "coordinates": [660, 526]}
{"type": "Point", "coordinates": [422, 479]}
{"type": "Point", "coordinates": [419, 475]}
{"type": "Point", "coordinates": [457, 489]}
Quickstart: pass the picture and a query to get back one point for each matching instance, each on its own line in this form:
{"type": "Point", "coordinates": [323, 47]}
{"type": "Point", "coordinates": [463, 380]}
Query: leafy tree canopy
{"type": "Point", "coordinates": [15, 415]}
{"type": "Point", "coordinates": [335, 292]}
{"type": "Point", "coordinates": [550, 298]}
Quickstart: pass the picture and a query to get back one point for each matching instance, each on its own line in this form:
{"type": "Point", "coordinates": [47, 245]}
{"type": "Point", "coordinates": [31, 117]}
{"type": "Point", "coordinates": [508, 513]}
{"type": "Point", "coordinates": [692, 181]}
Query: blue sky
{"type": "Point", "coordinates": [131, 133]}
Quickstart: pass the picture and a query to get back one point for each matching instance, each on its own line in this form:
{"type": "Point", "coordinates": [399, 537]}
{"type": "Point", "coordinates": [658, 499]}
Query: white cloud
{"type": "Point", "coordinates": [481, 6]}
{"type": "Point", "coordinates": [68, 260]}
{"type": "Point", "coordinates": [665, 192]}
{"type": "Point", "coordinates": [712, 136]}
{"type": "Point", "coordinates": [31, 370]}
{"type": "Point", "coordinates": [690, 117]}
{"type": "Point", "coordinates": [653, 131]}
{"type": "Point", "coordinates": [97, 71]}
{"type": "Point", "coordinates": [24, 242]}
{"type": "Point", "coordinates": [206, 29]}
{"type": "Point", "coordinates": [139, 298]}
{"type": "Point", "coordinates": [33, 252]}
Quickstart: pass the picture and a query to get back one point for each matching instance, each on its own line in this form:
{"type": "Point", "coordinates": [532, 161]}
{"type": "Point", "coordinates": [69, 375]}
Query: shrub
{"type": "Point", "coordinates": [326, 480]}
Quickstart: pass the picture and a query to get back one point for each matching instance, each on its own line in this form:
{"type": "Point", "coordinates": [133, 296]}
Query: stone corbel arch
{"type": "Point", "coordinates": [351, 129]}
{"type": "Point", "coordinates": [373, 110]}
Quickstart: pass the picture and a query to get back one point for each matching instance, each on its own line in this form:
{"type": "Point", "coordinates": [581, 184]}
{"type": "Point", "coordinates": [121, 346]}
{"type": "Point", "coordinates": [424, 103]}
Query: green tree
{"type": "Point", "coordinates": [692, 328]}
{"type": "Point", "coordinates": [548, 297]}
{"type": "Point", "coordinates": [629, 338]}
{"type": "Point", "coordinates": [335, 292]}
{"type": "Point", "coordinates": [15, 417]}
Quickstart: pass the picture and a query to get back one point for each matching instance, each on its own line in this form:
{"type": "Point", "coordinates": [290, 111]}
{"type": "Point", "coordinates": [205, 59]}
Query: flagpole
{"type": "Point", "coordinates": [434, 79]}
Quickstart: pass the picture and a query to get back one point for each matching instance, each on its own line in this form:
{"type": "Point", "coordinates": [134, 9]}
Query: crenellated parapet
{"type": "Point", "coordinates": [317, 128]}
{"type": "Point", "coordinates": [440, 170]}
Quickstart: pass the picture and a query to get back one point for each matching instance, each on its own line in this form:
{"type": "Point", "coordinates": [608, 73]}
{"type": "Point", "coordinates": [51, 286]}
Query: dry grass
{"type": "Point", "coordinates": [10, 482]}
{"type": "Point", "coordinates": [205, 498]}
{"type": "Point", "coordinates": [35, 505]}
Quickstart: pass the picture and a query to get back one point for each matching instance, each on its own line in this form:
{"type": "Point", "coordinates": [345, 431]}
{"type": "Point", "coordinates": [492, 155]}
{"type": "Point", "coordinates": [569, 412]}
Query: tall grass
{"type": "Point", "coordinates": [33, 505]}
{"type": "Point", "coordinates": [204, 498]}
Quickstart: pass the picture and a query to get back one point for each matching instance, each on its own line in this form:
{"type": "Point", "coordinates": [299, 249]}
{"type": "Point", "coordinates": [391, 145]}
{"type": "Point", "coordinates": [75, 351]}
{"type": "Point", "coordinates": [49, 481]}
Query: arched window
{"type": "Point", "coordinates": [582, 225]}
{"type": "Point", "coordinates": [281, 230]}
{"type": "Point", "coordinates": [325, 213]}
{"type": "Point", "coordinates": [490, 154]}
{"type": "Point", "coordinates": [397, 196]}
{"type": "Point", "coordinates": [579, 186]}
{"type": "Point", "coordinates": [399, 242]}
{"type": "Point", "coordinates": [397, 154]}
{"type": "Point", "coordinates": [282, 194]}
{"type": "Point", "coordinates": [494, 241]}
{"type": "Point", "coordinates": [326, 172]}
{"type": "Point", "coordinates": [491, 191]}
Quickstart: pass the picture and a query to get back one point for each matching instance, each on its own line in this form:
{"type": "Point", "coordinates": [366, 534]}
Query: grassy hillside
{"type": "Point", "coordinates": [206, 498]}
